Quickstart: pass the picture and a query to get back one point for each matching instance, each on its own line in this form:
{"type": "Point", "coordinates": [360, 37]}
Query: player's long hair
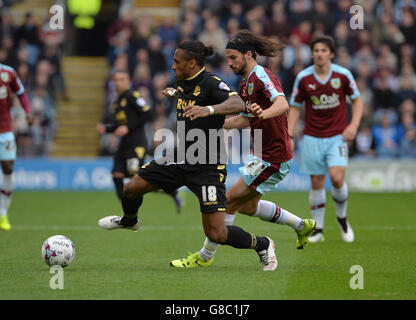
{"type": "Point", "coordinates": [263, 46]}
{"type": "Point", "coordinates": [195, 49]}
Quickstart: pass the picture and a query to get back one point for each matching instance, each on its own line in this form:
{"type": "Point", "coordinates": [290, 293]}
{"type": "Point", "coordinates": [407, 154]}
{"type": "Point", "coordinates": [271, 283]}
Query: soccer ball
{"type": "Point", "coordinates": [58, 250]}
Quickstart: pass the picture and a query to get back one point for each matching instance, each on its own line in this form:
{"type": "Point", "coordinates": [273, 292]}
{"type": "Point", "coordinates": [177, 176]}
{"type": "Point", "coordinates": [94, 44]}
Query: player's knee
{"type": "Point", "coordinates": [130, 190]}
{"type": "Point", "coordinates": [7, 168]}
{"type": "Point", "coordinates": [216, 234]}
{"type": "Point", "coordinates": [337, 181]}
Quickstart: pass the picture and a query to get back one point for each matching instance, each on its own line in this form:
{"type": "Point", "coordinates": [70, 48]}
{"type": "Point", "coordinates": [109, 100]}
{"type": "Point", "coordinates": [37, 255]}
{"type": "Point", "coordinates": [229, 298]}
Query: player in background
{"type": "Point", "coordinates": [323, 89]}
{"type": "Point", "coordinates": [206, 178]}
{"type": "Point", "coordinates": [131, 114]}
{"type": "Point", "coordinates": [266, 109]}
{"type": "Point", "coordinates": [9, 84]}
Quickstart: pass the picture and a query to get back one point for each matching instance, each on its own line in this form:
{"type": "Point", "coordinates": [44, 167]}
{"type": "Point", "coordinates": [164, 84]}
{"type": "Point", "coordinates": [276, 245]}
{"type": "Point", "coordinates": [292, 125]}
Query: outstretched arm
{"type": "Point", "coordinates": [234, 104]}
{"type": "Point", "coordinates": [236, 122]}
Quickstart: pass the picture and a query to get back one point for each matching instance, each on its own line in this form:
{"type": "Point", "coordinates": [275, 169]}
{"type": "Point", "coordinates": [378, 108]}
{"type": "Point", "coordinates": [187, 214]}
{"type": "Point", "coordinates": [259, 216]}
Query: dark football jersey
{"type": "Point", "coordinates": [206, 142]}
{"type": "Point", "coordinates": [132, 110]}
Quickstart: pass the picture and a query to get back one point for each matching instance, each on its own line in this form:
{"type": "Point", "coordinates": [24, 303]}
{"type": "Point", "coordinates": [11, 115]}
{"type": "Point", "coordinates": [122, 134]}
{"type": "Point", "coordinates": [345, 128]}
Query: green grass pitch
{"type": "Point", "coordinates": [121, 264]}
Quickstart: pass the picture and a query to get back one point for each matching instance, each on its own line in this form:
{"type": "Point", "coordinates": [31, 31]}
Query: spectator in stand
{"type": "Point", "coordinates": [342, 35]}
{"type": "Point", "coordinates": [321, 14]}
{"type": "Point", "coordinates": [407, 136]}
{"type": "Point", "coordinates": [278, 25]}
{"type": "Point", "coordinates": [7, 28]}
{"type": "Point", "coordinates": [294, 52]}
{"type": "Point", "coordinates": [28, 31]}
{"type": "Point", "coordinates": [43, 129]}
{"type": "Point", "coordinates": [168, 31]}
{"type": "Point", "coordinates": [124, 23]}
{"type": "Point", "coordinates": [304, 32]}
{"type": "Point", "coordinates": [386, 138]}
{"type": "Point", "coordinates": [364, 144]}
{"type": "Point", "coordinates": [142, 77]}
{"type": "Point", "coordinates": [141, 34]}
{"type": "Point", "coordinates": [235, 12]}
{"type": "Point", "coordinates": [343, 57]}
{"type": "Point", "coordinates": [214, 35]}
{"type": "Point", "coordinates": [157, 60]}
{"type": "Point", "coordinates": [298, 10]}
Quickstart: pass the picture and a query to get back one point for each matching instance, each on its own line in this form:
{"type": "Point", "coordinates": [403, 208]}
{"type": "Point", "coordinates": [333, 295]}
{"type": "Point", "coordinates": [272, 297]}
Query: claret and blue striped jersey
{"type": "Point", "coordinates": [325, 101]}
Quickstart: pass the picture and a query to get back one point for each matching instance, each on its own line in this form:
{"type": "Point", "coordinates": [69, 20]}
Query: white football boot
{"type": "Point", "coordinates": [268, 257]}
{"type": "Point", "coordinates": [317, 236]}
{"type": "Point", "coordinates": [346, 231]}
{"type": "Point", "coordinates": [113, 222]}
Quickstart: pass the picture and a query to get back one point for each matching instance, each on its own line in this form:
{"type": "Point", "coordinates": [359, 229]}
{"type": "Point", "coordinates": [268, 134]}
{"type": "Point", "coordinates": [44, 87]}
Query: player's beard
{"type": "Point", "coordinates": [242, 70]}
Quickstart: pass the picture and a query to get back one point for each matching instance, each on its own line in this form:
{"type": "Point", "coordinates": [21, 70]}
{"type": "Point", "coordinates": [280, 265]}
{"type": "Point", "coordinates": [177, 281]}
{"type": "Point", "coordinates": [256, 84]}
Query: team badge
{"type": "Point", "coordinates": [223, 86]}
{"type": "Point", "coordinates": [123, 102]}
{"type": "Point", "coordinates": [197, 91]}
{"type": "Point", "coordinates": [250, 88]}
{"type": "Point", "coordinates": [4, 77]}
{"type": "Point", "coordinates": [336, 83]}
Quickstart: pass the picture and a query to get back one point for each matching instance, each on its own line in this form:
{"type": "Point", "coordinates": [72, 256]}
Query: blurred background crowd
{"type": "Point", "coordinates": [382, 58]}
{"type": "Point", "coordinates": [34, 51]}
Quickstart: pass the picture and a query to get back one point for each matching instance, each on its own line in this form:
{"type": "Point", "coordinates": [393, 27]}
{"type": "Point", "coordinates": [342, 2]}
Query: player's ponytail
{"type": "Point", "coordinates": [195, 49]}
{"type": "Point", "coordinates": [245, 41]}
{"type": "Point", "coordinates": [209, 51]}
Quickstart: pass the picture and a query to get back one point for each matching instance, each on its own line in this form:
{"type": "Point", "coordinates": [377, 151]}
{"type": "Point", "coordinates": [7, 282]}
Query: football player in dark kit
{"type": "Point", "coordinates": [206, 178]}
{"type": "Point", "coordinates": [131, 114]}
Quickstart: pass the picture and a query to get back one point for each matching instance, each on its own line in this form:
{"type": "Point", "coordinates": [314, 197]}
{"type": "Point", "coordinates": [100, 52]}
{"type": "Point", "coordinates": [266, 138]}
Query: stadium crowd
{"type": "Point", "coordinates": [382, 56]}
{"type": "Point", "coordinates": [34, 53]}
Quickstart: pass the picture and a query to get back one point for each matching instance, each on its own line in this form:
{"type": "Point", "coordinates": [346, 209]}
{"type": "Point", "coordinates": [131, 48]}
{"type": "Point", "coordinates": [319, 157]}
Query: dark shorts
{"type": "Point", "coordinates": [129, 160]}
{"type": "Point", "coordinates": [207, 182]}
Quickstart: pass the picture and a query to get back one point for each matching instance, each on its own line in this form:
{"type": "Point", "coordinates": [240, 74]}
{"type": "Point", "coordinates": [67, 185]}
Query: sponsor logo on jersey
{"type": "Point", "coordinates": [223, 86]}
{"type": "Point", "coordinates": [250, 88]}
{"type": "Point", "coordinates": [4, 77]}
{"type": "Point", "coordinates": [312, 86]}
{"type": "Point", "coordinates": [336, 83]}
{"type": "Point", "coordinates": [270, 86]}
{"type": "Point", "coordinates": [325, 102]}
{"type": "Point", "coordinates": [123, 102]}
{"type": "Point", "coordinates": [197, 91]}
{"type": "Point", "coordinates": [140, 102]}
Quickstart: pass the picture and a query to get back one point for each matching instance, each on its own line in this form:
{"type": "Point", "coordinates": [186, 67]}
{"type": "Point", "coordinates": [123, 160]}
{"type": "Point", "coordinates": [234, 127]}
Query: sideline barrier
{"type": "Point", "coordinates": [95, 174]}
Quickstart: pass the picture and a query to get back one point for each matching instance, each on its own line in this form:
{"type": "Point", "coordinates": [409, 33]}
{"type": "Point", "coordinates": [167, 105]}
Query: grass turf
{"type": "Point", "coordinates": [125, 265]}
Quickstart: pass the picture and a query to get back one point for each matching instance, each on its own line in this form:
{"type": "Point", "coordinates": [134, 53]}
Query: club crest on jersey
{"type": "Point", "coordinates": [250, 88]}
{"type": "Point", "coordinates": [123, 102]}
{"type": "Point", "coordinates": [4, 77]}
{"type": "Point", "coordinates": [197, 91]}
{"type": "Point", "coordinates": [336, 83]}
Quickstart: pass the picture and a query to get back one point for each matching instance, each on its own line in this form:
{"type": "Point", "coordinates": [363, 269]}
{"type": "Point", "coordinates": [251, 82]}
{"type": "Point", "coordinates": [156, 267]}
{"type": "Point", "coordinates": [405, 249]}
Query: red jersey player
{"type": "Point", "coordinates": [9, 84]}
{"type": "Point", "coordinates": [323, 88]}
{"type": "Point", "coordinates": [267, 110]}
